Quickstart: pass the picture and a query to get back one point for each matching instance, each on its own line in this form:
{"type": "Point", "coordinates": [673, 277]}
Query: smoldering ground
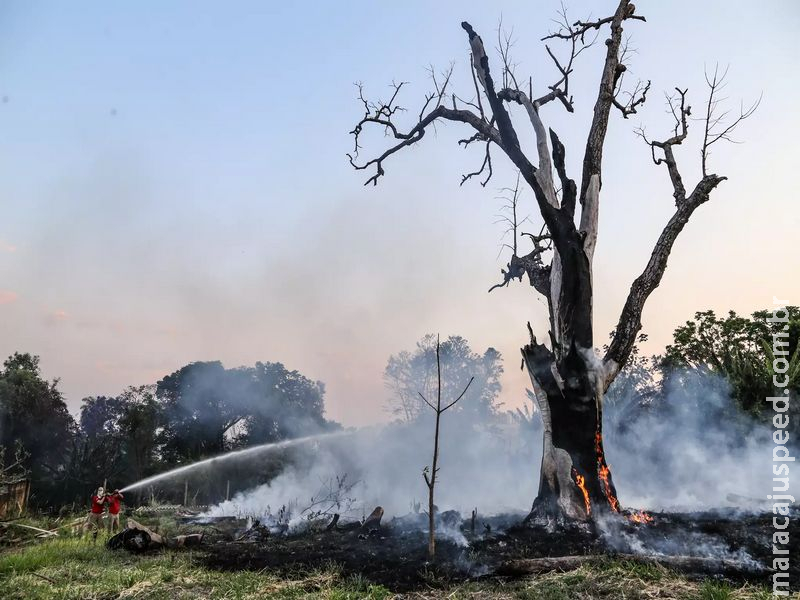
{"type": "Point", "coordinates": [681, 445]}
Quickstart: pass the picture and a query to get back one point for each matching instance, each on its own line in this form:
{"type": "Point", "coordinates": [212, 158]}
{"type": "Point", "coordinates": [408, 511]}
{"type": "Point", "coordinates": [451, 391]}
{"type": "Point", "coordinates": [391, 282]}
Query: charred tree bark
{"type": "Point", "coordinates": [575, 481]}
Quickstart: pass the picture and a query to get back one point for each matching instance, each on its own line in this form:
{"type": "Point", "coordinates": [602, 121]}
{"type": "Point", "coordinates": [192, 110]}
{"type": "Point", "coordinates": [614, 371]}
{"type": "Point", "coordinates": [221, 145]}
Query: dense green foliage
{"type": "Point", "coordinates": [741, 350]}
{"type": "Point", "coordinates": [200, 410]}
{"type": "Point", "coordinates": [34, 415]}
{"type": "Point", "coordinates": [719, 367]}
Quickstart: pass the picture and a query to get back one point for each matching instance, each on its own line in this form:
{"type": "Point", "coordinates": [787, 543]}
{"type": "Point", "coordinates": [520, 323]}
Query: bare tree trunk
{"type": "Point", "coordinates": [430, 479]}
{"type": "Point", "coordinates": [434, 464]}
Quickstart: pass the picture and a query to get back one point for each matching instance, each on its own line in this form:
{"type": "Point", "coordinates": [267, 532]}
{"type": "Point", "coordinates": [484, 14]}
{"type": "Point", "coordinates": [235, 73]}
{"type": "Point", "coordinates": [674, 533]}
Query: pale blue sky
{"type": "Point", "coordinates": [174, 185]}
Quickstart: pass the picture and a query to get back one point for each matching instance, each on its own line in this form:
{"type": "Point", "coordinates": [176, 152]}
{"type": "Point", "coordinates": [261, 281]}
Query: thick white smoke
{"type": "Point", "coordinates": [687, 449]}
{"type": "Point", "coordinates": [691, 449]}
{"type": "Point", "coordinates": [491, 467]}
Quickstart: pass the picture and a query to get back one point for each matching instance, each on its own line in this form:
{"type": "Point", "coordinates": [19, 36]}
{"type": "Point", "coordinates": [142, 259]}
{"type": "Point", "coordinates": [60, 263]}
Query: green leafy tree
{"type": "Point", "coordinates": [120, 434]}
{"type": "Point", "coordinates": [208, 409]}
{"type": "Point", "coordinates": [199, 410]}
{"type": "Point", "coordinates": [141, 424]}
{"type": "Point", "coordinates": [100, 416]}
{"type": "Point", "coordinates": [280, 404]}
{"type": "Point", "coordinates": [739, 349]}
{"type": "Point", "coordinates": [33, 414]}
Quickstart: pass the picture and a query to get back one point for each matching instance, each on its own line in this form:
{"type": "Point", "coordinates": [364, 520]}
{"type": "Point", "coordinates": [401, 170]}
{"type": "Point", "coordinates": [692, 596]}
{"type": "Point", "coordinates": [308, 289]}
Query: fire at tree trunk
{"type": "Point", "coordinates": [575, 479]}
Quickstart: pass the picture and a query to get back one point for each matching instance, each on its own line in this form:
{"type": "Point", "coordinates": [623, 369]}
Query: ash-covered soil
{"type": "Point", "coordinates": [396, 554]}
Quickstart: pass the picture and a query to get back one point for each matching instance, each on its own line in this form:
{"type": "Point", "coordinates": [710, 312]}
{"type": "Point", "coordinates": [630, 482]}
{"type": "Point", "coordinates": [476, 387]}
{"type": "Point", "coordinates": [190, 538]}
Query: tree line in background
{"type": "Point", "coordinates": [204, 409]}
{"type": "Point", "coordinates": [739, 350]}
{"type": "Point", "coordinates": [198, 411]}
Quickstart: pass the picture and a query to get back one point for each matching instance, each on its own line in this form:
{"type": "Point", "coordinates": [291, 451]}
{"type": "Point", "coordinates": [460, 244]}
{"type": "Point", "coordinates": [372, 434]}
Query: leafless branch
{"type": "Point", "coordinates": [377, 115]}
{"type": "Point", "coordinates": [426, 401]}
{"type": "Point", "coordinates": [511, 205]}
{"type": "Point", "coordinates": [461, 395]}
{"type": "Point", "coordinates": [716, 128]}
{"type": "Point", "coordinates": [530, 264]}
{"type": "Point", "coordinates": [579, 29]}
{"type": "Point", "coordinates": [635, 98]}
{"type": "Point", "coordinates": [333, 496]}
{"type": "Point", "coordinates": [680, 112]}
{"type": "Point", "coordinates": [485, 166]}
{"type": "Point", "coordinates": [720, 126]}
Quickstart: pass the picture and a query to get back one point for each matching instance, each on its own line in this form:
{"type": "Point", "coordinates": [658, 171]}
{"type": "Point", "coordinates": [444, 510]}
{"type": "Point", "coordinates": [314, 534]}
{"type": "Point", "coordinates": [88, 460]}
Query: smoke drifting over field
{"type": "Point", "coordinates": [692, 450]}
{"type": "Point", "coordinates": [688, 448]}
{"type": "Point", "coordinates": [480, 468]}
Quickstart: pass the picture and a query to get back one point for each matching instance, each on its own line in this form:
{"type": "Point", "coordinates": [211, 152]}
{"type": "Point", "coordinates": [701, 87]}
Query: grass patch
{"type": "Point", "coordinates": [713, 590]}
{"type": "Point", "coordinates": [606, 580]}
{"type": "Point", "coordinates": [77, 568]}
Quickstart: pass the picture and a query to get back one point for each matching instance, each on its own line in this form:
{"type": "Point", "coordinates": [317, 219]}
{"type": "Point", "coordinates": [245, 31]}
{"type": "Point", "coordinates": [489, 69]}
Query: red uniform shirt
{"type": "Point", "coordinates": [113, 503]}
{"type": "Point", "coordinates": [97, 504]}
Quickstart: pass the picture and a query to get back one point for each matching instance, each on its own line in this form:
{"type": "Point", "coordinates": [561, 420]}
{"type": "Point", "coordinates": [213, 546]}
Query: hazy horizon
{"type": "Point", "coordinates": [175, 187]}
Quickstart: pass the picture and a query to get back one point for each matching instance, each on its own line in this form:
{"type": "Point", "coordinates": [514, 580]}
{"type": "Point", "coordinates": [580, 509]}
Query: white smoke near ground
{"type": "Point", "coordinates": [480, 468]}
{"type": "Point", "coordinates": [688, 449]}
{"type": "Point", "coordinates": [617, 534]}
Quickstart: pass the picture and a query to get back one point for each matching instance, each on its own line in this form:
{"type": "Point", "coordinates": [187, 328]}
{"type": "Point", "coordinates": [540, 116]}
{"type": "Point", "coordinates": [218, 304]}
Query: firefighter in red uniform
{"type": "Point", "coordinates": [114, 500]}
{"type": "Point", "coordinates": [94, 520]}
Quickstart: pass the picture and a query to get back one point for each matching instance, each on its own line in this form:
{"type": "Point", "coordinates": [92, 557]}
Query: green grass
{"type": "Point", "coordinates": [608, 580]}
{"type": "Point", "coordinates": [76, 568]}
{"type": "Point", "coordinates": [712, 590]}
{"type": "Point", "coordinates": [69, 568]}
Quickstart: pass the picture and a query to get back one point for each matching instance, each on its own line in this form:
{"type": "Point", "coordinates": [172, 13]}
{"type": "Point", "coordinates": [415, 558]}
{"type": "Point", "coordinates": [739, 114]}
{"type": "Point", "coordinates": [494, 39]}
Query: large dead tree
{"type": "Point", "coordinates": [569, 376]}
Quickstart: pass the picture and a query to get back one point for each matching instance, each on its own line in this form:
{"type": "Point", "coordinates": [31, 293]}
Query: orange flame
{"type": "Point", "coordinates": [604, 472]}
{"type": "Point", "coordinates": [612, 500]}
{"type": "Point", "coordinates": [640, 516]}
{"type": "Point", "coordinates": [580, 481]}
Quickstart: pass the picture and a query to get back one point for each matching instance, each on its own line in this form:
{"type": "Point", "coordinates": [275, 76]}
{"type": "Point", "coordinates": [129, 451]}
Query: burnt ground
{"type": "Point", "coordinates": [396, 555]}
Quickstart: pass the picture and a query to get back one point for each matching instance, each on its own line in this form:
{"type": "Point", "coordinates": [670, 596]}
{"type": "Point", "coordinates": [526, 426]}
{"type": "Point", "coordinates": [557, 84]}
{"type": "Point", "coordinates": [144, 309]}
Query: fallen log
{"type": "Point", "coordinates": [136, 538]}
{"type": "Point", "coordinates": [154, 537]}
{"type": "Point", "coordinates": [132, 540]}
{"type": "Point", "coordinates": [373, 521]}
{"type": "Point", "coordinates": [686, 564]}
